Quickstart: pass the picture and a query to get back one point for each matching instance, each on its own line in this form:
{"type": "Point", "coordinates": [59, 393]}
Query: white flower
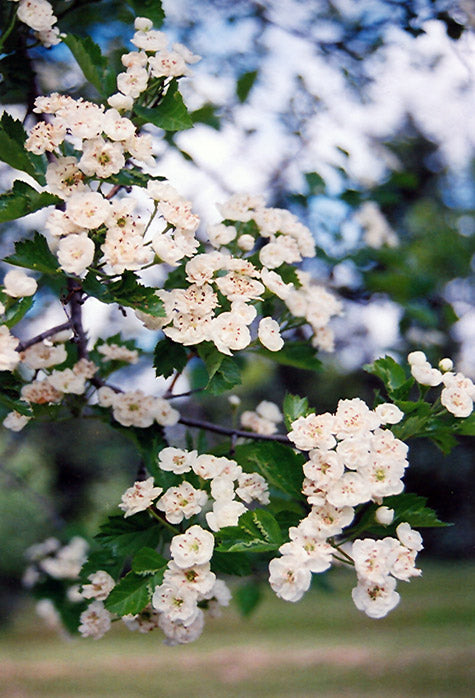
{"type": "Point", "coordinates": [44, 355]}
{"type": "Point", "coordinates": [226, 512]}
{"type": "Point", "coordinates": [220, 234]}
{"type": "Point", "coordinates": [373, 558]}
{"type": "Point", "coordinates": [75, 253]}
{"type": "Point", "coordinates": [67, 381]}
{"type": "Point", "coordinates": [179, 604]}
{"type": "Point", "coordinates": [167, 64]}
{"type": "Point", "coordinates": [40, 392]}
{"type": "Point", "coordinates": [181, 502]}
{"type": "Point", "coordinates": [416, 358]}
{"type": "Point", "coordinates": [139, 497]}
{"type": "Point", "coordinates": [353, 417]}
{"type": "Point", "coordinates": [313, 431]}
{"type": "Point", "coordinates": [164, 413]}
{"type": "Point", "coordinates": [194, 547]}
{"type": "Point", "coordinates": [375, 599]}
{"type": "Point", "coordinates": [198, 578]}
{"type": "Point", "coordinates": [259, 425]}
{"type": "Point", "coordinates": [275, 284]}
{"type": "Point", "coordinates": [9, 358]}
{"type": "Point", "coordinates": [88, 210]}
{"type": "Point", "coordinates": [389, 413]}
{"type": "Point", "coordinates": [95, 621]}
{"type": "Point", "coordinates": [289, 578]}
{"type": "Point", "coordinates": [64, 178]}
{"type": "Point", "coordinates": [351, 489]}
{"type": "Point", "coordinates": [101, 158]}
{"type": "Point", "coordinates": [150, 39]}
{"type": "Point", "coordinates": [132, 82]}
{"type": "Point", "coordinates": [45, 137]}
{"type": "Point", "coordinates": [18, 284]}
{"type": "Point", "coordinates": [269, 334]}
{"type": "Point", "coordinates": [229, 333]}
{"type": "Point", "coordinates": [15, 421]}
{"type": "Point", "coordinates": [408, 537]}
{"type": "Point", "coordinates": [316, 555]}
{"type": "Point", "coordinates": [176, 460]}
{"type": "Point", "coordinates": [120, 101]}
{"type": "Point", "coordinates": [117, 127]}
{"type": "Point", "coordinates": [179, 634]}
{"type": "Point", "coordinates": [37, 14]}
{"type": "Point", "coordinates": [134, 409]}
{"type": "Point", "coordinates": [246, 242]}
{"type": "Point", "coordinates": [100, 587]}
{"type": "Point", "coordinates": [456, 401]}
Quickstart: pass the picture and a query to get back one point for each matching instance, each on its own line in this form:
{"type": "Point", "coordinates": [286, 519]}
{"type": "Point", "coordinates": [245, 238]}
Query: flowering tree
{"type": "Point", "coordinates": [263, 502]}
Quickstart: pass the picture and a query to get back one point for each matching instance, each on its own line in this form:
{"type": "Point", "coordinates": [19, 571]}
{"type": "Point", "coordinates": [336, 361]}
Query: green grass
{"type": "Point", "coordinates": [321, 647]}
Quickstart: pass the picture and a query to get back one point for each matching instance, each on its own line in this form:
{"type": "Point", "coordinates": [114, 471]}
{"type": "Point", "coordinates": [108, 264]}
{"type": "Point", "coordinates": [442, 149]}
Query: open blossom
{"type": "Point", "coordinates": [88, 210]}
{"type": "Point", "coordinates": [64, 178]}
{"type": "Point", "coordinates": [101, 158]}
{"type": "Point", "coordinates": [18, 284]}
{"type": "Point", "coordinates": [408, 537]}
{"type": "Point", "coordinates": [374, 558]}
{"type": "Point", "coordinates": [177, 633]}
{"type": "Point", "coordinates": [226, 512]}
{"type": "Point", "coordinates": [134, 408]}
{"type": "Point", "coordinates": [289, 578]}
{"type": "Point", "coordinates": [45, 137]}
{"type": "Point", "coordinates": [375, 599]}
{"type": "Point", "coordinates": [229, 333]}
{"type": "Point", "coordinates": [179, 604]}
{"type": "Point", "coordinates": [139, 497]}
{"type": "Point", "coordinates": [313, 431]}
{"type": "Point", "coordinates": [95, 621]}
{"type": "Point", "coordinates": [76, 253]}
{"type": "Point", "coordinates": [194, 547]}
{"type": "Point", "coordinates": [67, 381]}
{"type": "Point", "coordinates": [9, 357]}
{"type": "Point", "coordinates": [176, 460]}
{"type": "Point", "coordinates": [117, 352]}
{"type": "Point", "coordinates": [197, 578]}
{"type": "Point", "coordinates": [40, 392]}
{"type": "Point", "coordinates": [15, 421]}
{"type": "Point", "coordinates": [269, 334]}
{"type": "Point", "coordinates": [37, 14]}
{"type": "Point", "coordinates": [182, 502]}
{"type": "Point", "coordinates": [101, 584]}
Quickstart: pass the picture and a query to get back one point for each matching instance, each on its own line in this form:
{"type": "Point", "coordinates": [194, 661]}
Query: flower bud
{"type": "Point", "coordinates": [143, 24]}
{"type": "Point", "coordinates": [384, 515]}
{"type": "Point", "coordinates": [446, 365]}
{"type": "Point", "coordinates": [416, 357]}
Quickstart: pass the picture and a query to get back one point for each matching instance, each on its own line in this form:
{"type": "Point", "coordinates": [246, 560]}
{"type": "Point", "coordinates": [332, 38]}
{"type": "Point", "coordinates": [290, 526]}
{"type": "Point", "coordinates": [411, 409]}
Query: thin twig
{"type": "Point", "coordinates": [44, 335]}
{"type": "Point", "coordinates": [217, 429]}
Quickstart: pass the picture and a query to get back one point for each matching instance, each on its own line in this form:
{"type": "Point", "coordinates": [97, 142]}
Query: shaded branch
{"type": "Point", "coordinates": [44, 335]}
{"type": "Point", "coordinates": [228, 431]}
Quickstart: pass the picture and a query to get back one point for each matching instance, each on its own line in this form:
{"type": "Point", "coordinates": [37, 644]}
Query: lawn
{"type": "Point", "coordinates": [321, 647]}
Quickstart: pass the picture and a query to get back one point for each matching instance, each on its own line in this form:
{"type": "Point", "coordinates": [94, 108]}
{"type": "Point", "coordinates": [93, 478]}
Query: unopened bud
{"type": "Point", "coordinates": [446, 365]}
{"type": "Point", "coordinates": [384, 515]}
{"type": "Point", "coordinates": [143, 24]}
{"type": "Point", "coordinates": [234, 400]}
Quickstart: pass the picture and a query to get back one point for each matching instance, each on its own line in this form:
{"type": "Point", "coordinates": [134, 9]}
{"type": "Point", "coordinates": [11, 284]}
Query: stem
{"type": "Point", "coordinates": [44, 335]}
{"type": "Point", "coordinates": [75, 304]}
{"type": "Point", "coordinates": [9, 30]}
{"type": "Point", "coordinates": [217, 429]}
{"type": "Point", "coordinates": [349, 560]}
{"type": "Point", "coordinates": [163, 521]}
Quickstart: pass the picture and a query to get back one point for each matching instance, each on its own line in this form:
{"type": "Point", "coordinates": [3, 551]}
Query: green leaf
{"type": "Point", "coordinates": [394, 377]}
{"type": "Point", "coordinates": [149, 8]}
{"type": "Point", "coordinates": [169, 357]}
{"type": "Point", "coordinates": [89, 58]}
{"type": "Point", "coordinates": [129, 178]}
{"type": "Point", "coordinates": [466, 426]}
{"type": "Point", "coordinates": [171, 114]}
{"type": "Point", "coordinates": [231, 563]}
{"type": "Point", "coordinates": [223, 371]}
{"type": "Point", "coordinates": [316, 183]}
{"type": "Point", "coordinates": [101, 560]}
{"type": "Point", "coordinates": [12, 149]}
{"type": "Point", "coordinates": [257, 531]}
{"type": "Point", "coordinates": [248, 597]}
{"type": "Point", "coordinates": [245, 84]}
{"type": "Point", "coordinates": [131, 594]}
{"type": "Point", "coordinates": [412, 509]}
{"type": "Point", "coordinates": [15, 405]}
{"type": "Point", "coordinates": [127, 291]}
{"type": "Point", "coordinates": [126, 536]}
{"type": "Point", "coordinates": [22, 200]}
{"type": "Point", "coordinates": [296, 354]}
{"type": "Point", "coordinates": [206, 115]}
{"type": "Point", "coordinates": [34, 254]}
{"type": "Point", "coordinates": [294, 407]}
{"type": "Point", "coordinates": [17, 311]}
{"type": "Point", "coordinates": [278, 463]}
{"type": "Point", "coordinates": [148, 561]}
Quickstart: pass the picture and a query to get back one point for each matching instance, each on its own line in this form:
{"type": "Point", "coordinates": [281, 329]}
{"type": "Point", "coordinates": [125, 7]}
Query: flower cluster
{"type": "Point", "coordinates": [38, 14]}
{"type": "Point", "coordinates": [352, 460]}
{"type": "Point", "coordinates": [458, 393]}
{"type": "Point", "coordinates": [52, 559]}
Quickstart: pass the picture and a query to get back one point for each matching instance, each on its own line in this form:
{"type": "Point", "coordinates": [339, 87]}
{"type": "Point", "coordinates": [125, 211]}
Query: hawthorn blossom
{"type": "Point", "coordinates": [18, 284]}
{"type": "Point", "coordinates": [181, 502]}
{"type": "Point", "coordinates": [9, 357]}
{"type": "Point", "coordinates": [101, 585]}
{"type": "Point", "coordinates": [288, 578]}
{"type": "Point", "coordinates": [76, 253]}
{"type": "Point", "coordinates": [15, 421]}
{"type": "Point", "coordinates": [139, 497]}
{"type": "Point", "coordinates": [95, 621]}
{"type": "Point", "coordinates": [376, 599]}
{"type": "Point", "coordinates": [176, 460]}
{"type": "Point", "coordinates": [269, 334]}
{"type": "Point", "coordinates": [194, 547]}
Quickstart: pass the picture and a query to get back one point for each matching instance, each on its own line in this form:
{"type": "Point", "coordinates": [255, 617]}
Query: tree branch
{"type": "Point", "coordinates": [217, 429]}
{"type": "Point", "coordinates": [44, 335]}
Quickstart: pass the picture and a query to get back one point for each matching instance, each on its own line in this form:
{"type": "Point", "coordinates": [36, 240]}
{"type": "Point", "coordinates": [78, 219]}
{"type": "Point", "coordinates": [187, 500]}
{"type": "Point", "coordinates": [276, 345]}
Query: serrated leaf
{"type": "Point", "coordinates": [296, 354]}
{"type": "Point", "coordinates": [22, 200]}
{"type": "Point", "coordinates": [131, 594]}
{"type": "Point", "coordinates": [206, 115]}
{"type": "Point", "coordinates": [149, 8]}
{"type": "Point", "coordinates": [278, 463]}
{"type": "Point", "coordinates": [412, 509]}
{"type": "Point", "coordinates": [248, 597]}
{"type": "Point", "coordinates": [15, 405]}
{"type": "Point", "coordinates": [34, 254]}
{"type": "Point", "coordinates": [126, 536]}
{"type": "Point", "coordinates": [170, 114]}
{"type": "Point", "coordinates": [128, 178]}
{"type": "Point", "coordinates": [294, 407]}
{"type": "Point", "coordinates": [12, 149]}
{"type": "Point", "coordinates": [148, 561]}
{"type": "Point", "coordinates": [89, 58]}
{"type": "Point", "coordinates": [101, 560]}
{"type": "Point", "coordinates": [231, 563]}
{"type": "Point", "coordinates": [466, 426]}
{"type": "Point", "coordinates": [169, 357]}
{"type": "Point", "coordinates": [393, 376]}
{"type": "Point", "coordinates": [244, 84]}
{"type": "Point", "coordinates": [223, 371]}
{"type": "Point", "coordinates": [127, 292]}
{"type": "Point", "coordinates": [17, 311]}
{"type": "Point", "coordinates": [257, 531]}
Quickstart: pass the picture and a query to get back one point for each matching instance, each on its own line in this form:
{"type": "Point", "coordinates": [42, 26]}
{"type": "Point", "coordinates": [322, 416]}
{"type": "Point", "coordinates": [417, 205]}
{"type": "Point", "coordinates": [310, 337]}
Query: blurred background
{"type": "Point", "coordinates": [357, 115]}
